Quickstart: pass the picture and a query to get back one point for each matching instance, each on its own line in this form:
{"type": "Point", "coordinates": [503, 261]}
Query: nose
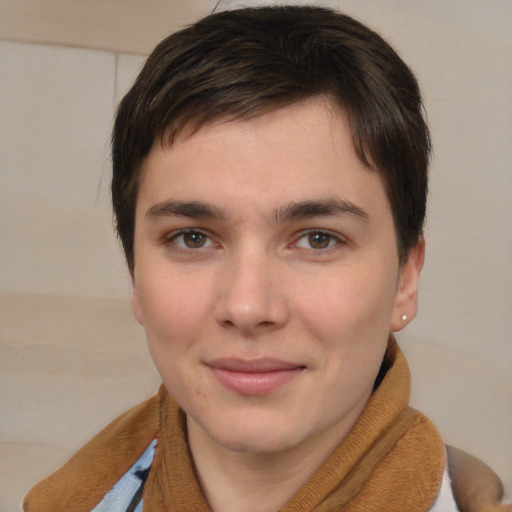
{"type": "Point", "coordinates": [251, 297]}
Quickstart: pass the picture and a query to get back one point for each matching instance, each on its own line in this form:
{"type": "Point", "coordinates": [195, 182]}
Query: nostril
{"type": "Point", "coordinates": [231, 323]}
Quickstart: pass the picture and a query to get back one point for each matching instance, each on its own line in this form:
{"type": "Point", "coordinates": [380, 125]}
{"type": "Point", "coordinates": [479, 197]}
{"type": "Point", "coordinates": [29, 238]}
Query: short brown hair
{"type": "Point", "coordinates": [243, 63]}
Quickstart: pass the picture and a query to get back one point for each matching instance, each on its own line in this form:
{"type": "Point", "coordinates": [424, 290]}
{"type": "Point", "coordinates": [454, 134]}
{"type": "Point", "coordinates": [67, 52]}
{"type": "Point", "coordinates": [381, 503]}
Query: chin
{"type": "Point", "coordinates": [256, 445]}
{"type": "Point", "coordinates": [254, 436]}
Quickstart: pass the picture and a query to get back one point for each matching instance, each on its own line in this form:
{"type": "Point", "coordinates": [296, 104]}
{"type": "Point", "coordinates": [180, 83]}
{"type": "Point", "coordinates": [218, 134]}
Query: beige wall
{"type": "Point", "coordinates": [71, 357]}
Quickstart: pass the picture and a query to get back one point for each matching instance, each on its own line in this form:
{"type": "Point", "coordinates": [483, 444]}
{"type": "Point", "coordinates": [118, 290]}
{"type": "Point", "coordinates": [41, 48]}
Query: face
{"type": "Point", "coordinates": [267, 279]}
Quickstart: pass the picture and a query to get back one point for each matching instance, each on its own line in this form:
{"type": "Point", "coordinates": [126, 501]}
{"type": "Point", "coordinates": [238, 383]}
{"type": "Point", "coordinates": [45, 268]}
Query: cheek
{"type": "Point", "coordinates": [174, 309]}
{"type": "Point", "coordinates": [349, 302]}
{"type": "Point", "coordinates": [173, 322]}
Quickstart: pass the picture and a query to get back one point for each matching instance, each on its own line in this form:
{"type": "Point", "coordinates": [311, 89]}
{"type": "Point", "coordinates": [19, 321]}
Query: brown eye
{"type": "Point", "coordinates": [319, 240]}
{"type": "Point", "coordinates": [190, 239]}
{"type": "Point", "coordinates": [194, 240]}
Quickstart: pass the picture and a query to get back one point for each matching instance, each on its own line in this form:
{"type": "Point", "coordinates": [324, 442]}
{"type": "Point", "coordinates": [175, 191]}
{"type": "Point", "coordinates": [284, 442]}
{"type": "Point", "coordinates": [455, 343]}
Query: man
{"type": "Point", "coordinates": [269, 188]}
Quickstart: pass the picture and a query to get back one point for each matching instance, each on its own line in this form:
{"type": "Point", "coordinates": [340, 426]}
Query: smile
{"type": "Point", "coordinates": [254, 378]}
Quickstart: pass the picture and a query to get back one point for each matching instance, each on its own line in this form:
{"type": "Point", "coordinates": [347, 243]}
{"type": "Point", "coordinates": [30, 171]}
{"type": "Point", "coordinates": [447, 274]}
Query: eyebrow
{"type": "Point", "coordinates": [292, 211]}
{"type": "Point", "coordinates": [323, 207]}
{"type": "Point", "coordinates": [192, 209]}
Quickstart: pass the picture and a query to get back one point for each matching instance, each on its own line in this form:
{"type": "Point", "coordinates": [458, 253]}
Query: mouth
{"type": "Point", "coordinates": [254, 377]}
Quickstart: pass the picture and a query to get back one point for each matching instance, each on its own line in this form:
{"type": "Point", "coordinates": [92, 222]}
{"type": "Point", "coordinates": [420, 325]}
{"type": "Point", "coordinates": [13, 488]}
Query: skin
{"type": "Point", "coordinates": [268, 238]}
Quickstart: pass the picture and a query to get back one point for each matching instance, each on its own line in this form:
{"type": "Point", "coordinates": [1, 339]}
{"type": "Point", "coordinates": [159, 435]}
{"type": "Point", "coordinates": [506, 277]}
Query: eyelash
{"type": "Point", "coordinates": [333, 240]}
{"type": "Point", "coordinates": [183, 233]}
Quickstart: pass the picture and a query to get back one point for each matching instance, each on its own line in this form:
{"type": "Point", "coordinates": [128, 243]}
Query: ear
{"type": "Point", "coordinates": [406, 300]}
{"type": "Point", "coordinates": [136, 303]}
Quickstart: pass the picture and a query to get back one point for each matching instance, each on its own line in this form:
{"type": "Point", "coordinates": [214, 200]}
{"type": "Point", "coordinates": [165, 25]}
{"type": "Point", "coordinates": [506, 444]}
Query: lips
{"type": "Point", "coordinates": [255, 377]}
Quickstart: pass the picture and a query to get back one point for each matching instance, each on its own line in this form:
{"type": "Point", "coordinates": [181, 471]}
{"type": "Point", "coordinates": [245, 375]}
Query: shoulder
{"type": "Point", "coordinates": [127, 492]}
{"type": "Point", "coordinates": [82, 482]}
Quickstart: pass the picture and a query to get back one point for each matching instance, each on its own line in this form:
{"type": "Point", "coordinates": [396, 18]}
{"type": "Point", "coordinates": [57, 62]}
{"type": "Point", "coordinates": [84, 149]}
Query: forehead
{"type": "Point", "coordinates": [293, 153]}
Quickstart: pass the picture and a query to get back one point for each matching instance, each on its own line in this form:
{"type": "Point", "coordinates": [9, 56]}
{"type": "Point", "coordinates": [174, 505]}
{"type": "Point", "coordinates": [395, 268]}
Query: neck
{"type": "Point", "coordinates": [255, 482]}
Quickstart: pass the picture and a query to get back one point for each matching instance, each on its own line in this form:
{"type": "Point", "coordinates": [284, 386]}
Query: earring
{"type": "Point", "coordinates": [404, 317]}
